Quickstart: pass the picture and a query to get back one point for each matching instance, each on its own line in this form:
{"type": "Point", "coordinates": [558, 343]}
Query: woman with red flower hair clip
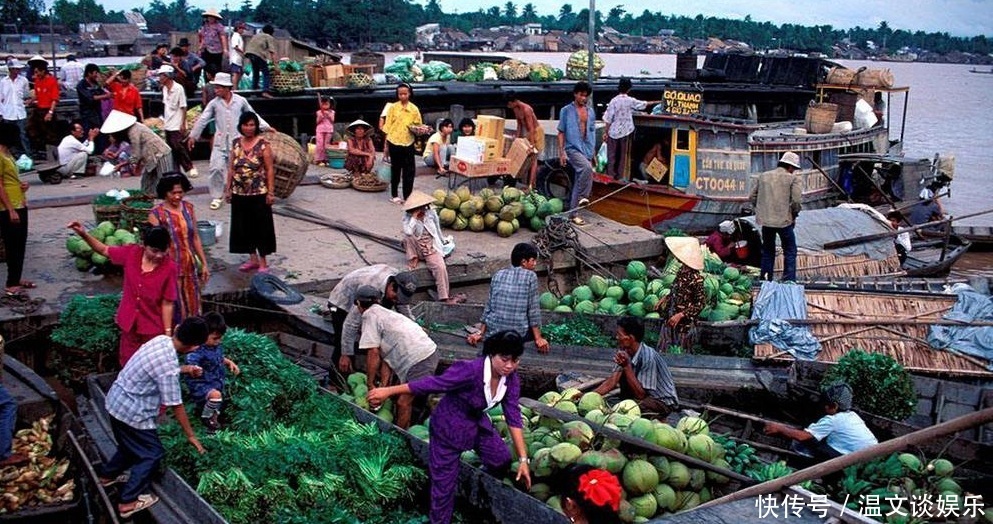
{"type": "Point", "coordinates": [590, 495]}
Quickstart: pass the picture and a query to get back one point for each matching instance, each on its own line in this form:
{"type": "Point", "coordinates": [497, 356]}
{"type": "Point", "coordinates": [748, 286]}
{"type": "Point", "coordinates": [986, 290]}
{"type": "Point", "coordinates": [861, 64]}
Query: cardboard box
{"type": "Point", "coordinates": [518, 154]}
{"type": "Point", "coordinates": [470, 148]}
{"type": "Point", "coordinates": [491, 148]}
{"type": "Point", "coordinates": [490, 127]}
{"type": "Point", "coordinates": [462, 166]}
{"type": "Point", "coordinates": [656, 170]}
{"type": "Point", "coordinates": [334, 71]}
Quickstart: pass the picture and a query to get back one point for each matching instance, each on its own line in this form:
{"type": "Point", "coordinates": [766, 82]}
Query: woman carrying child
{"type": "Point", "coordinates": [205, 370]}
{"type": "Point", "coordinates": [324, 130]}
{"type": "Point", "coordinates": [361, 151]}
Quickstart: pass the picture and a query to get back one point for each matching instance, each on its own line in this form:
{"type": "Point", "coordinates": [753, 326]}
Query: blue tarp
{"type": "Point", "coordinates": [776, 302]}
{"type": "Point", "coordinates": [975, 341]}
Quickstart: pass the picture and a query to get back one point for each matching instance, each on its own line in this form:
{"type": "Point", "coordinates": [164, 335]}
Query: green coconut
{"type": "Point", "coordinates": [668, 437]}
{"type": "Point", "coordinates": [717, 478]}
{"type": "Point", "coordinates": [590, 401]}
{"type": "Point", "coordinates": [620, 420]}
{"type": "Point", "coordinates": [640, 428]}
{"type": "Point", "coordinates": [593, 458]}
{"type": "Point", "coordinates": [476, 223]}
{"type": "Point", "coordinates": [439, 197]}
{"type": "Point", "coordinates": [665, 496]}
{"type": "Point", "coordinates": [692, 426]}
{"type": "Point", "coordinates": [941, 467]}
{"type": "Point", "coordinates": [702, 447]}
{"type": "Point", "coordinates": [540, 491]}
{"type": "Point", "coordinates": [679, 475]}
{"type": "Point", "coordinates": [548, 300]}
{"type": "Point", "coordinates": [464, 194]}
{"type": "Point", "coordinates": [911, 462]}
{"type": "Point", "coordinates": [452, 201]}
{"type": "Point", "coordinates": [595, 416]}
{"type": "Point", "coordinates": [577, 432]}
{"type": "Point", "coordinates": [697, 478]}
{"type": "Point", "coordinates": [637, 270]}
{"type": "Point", "coordinates": [460, 223]}
{"type": "Point", "coordinates": [562, 308]}
{"type": "Point", "coordinates": [467, 209]}
{"type": "Point", "coordinates": [645, 505]}
{"type": "Point", "coordinates": [628, 407]}
{"type": "Point", "coordinates": [494, 203]}
{"type": "Point", "coordinates": [615, 460]}
{"type": "Point", "coordinates": [485, 193]}
{"type": "Point", "coordinates": [661, 465]}
{"type": "Point", "coordinates": [639, 477]}
{"type": "Point", "coordinates": [565, 453]}
{"type": "Point", "coordinates": [83, 264]}
{"type": "Point", "coordinates": [490, 220]}
{"type": "Point", "coordinates": [505, 228]}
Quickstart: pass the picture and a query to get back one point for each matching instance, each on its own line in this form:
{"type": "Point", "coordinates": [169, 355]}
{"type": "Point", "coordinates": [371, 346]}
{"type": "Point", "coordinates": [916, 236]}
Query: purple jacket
{"type": "Point", "coordinates": [459, 416]}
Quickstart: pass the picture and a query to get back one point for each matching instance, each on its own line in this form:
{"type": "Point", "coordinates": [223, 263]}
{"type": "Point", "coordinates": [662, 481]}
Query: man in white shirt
{"type": "Point", "coordinates": [174, 115]}
{"type": "Point", "coordinates": [620, 126]}
{"type": "Point", "coordinates": [13, 91]}
{"type": "Point", "coordinates": [74, 150]}
{"type": "Point", "coordinates": [70, 73]}
{"type": "Point", "coordinates": [840, 432]}
{"type": "Point", "coordinates": [395, 343]}
{"type": "Point", "coordinates": [236, 54]}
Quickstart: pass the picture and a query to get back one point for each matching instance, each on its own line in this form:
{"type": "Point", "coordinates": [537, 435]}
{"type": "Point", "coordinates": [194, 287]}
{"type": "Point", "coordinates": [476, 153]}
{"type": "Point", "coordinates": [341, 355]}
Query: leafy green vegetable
{"type": "Point", "coordinates": [90, 336]}
{"type": "Point", "coordinates": [880, 385]}
{"type": "Point", "coordinates": [577, 331]}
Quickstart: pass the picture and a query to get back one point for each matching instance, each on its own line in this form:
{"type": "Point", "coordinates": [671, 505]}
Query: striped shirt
{"type": "Point", "coordinates": [653, 374]}
{"type": "Point", "coordinates": [148, 380]}
{"type": "Point", "coordinates": [513, 303]}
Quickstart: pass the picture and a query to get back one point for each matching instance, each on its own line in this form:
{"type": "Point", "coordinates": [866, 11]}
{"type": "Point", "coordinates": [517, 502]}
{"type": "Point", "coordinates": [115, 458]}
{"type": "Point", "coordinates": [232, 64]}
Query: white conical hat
{"type": "Point", "coordinates": [117, 121]}
{"type": "Point", "coordinates": [687, 250]}
{"type": "Point", "coordinates": [417, 199]}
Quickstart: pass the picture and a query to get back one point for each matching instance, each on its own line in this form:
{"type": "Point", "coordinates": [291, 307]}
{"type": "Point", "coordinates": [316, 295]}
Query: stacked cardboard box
{"type": "Point", "coordinates": [498, 166]}
{"type": "Point", "coordinates": [334, 75]}
{"type": "Point", "coordinates": [491, 127]}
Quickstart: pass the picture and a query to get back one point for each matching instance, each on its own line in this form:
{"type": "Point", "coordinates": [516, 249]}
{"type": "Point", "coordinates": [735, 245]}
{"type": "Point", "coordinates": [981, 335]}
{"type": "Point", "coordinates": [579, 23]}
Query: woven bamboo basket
{"type": "Point", "coordinates": [820, 117]}
{"type": "Point", "coordinates": [369, 183]}
{"type": "Point", "coordinates": [289, 81]}
{"type": "Point", "coordinates": [289, 161]}
{"type": "Point", "coordinates": [107, 213]}
{"type": "Point", "coordinates": [826, 265]}
{"type": "Point", "coordinates": [134, 211]}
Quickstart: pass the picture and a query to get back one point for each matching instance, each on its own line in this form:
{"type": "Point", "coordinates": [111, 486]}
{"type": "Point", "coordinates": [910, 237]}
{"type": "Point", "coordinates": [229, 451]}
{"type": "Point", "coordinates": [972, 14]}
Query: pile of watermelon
{"type": "Point", "coordinates": [727, 290]}
{"type": "Point", "coordinates": [106, 232]}
{"type": "Point", "coordinates": [488, 210]}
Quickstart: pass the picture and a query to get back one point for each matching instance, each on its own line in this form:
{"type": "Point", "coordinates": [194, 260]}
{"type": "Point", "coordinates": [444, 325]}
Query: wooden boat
{"type": "Point", "coordinates": [974, 70]}
{"type": "Point", "coordinates": [980, 236]}
{"type": "Point", "coordinates": [929, 257]}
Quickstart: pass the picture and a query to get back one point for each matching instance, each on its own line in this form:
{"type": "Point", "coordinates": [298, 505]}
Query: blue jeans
{"type": "Point", "coordinates": [8, 417]}
{"type": "Point", "coordinates": [138, 449]}
{"type": "Point", "coordinates": [788, 240]}
{"type": "Point", "coordinates": [582, 183]}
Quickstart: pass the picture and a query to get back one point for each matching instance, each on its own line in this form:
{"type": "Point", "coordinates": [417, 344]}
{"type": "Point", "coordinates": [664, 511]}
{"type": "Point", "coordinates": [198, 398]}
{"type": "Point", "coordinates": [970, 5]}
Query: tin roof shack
{"type": "Point", "coordinates": [113, 39]}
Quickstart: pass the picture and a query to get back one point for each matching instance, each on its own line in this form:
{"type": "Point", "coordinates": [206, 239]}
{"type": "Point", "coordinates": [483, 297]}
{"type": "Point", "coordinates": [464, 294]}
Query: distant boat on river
{"type": "Point", "coordinates": [974, 70]}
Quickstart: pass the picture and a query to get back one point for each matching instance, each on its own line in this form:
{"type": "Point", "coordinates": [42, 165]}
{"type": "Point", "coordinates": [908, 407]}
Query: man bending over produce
{"type": "Point", "coordinates": [148, 380]}
{"type": "Point", "coordinates": [394, 343]}
{"type": "Point", "coordinates": [838, 433]}
{"type": "Point", "coordinates": [641, 372]}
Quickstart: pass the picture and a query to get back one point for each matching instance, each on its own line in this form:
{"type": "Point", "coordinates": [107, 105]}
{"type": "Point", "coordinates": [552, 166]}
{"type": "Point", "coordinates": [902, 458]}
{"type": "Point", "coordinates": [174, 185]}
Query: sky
{"type": "Point", "coordinates": [957, 17]}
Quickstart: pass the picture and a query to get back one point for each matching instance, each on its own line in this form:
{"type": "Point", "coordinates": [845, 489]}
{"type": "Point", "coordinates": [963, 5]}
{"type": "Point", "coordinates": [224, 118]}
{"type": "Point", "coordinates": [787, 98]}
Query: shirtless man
{"type": "Point", "coordinates": [529, 128]}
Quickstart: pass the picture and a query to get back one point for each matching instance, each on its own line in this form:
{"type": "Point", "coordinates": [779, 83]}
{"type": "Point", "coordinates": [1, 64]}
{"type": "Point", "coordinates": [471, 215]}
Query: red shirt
{"type": "Point", "coordinates": [127, 98]}
{"type": "Point", "coordinates": [141, 301]}
{"type": "Point", "coordinates": [46, 91]}
{"type": "Point", "coordinates": [721, 245]}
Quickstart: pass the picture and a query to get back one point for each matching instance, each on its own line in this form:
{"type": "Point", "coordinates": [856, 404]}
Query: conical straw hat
{"type": "Point", "coordinates": [687, 250]}
{"type": "Point", "coordinates": [417, 199]}
{"type": "Point", "coordinates": [117, 121]}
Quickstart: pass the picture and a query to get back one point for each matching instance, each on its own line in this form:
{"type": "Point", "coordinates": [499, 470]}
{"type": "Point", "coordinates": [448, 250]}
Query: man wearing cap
{"type": "Point", "coordinates": [70, 73]}
{"type": "Point", "coordinates": [213, 38]}
{"type": "Point", "coordinates": [46, 99]}
{"type": "Point", "coordinates": [236, 54]}
{"type": "Point", "coordinates": [127, 98]}
{"type": "Point", "coordinates": [840, 432]}
{"type": "Point", "coordinates": [394, 344]}
{"type": "Point", "coordinates": [260, 49]}
{"type": "Point", "coordinates": [397, 290]}
{"type": "Point", "coordinates": [513, 301]}
{"type": "Point", "coordinates": [776, 198]}
{"type": "Point", "coordinates": [152, 152]}
{"type": "Point", "coordinates": [174, 118]}
{"type": "Point", "coordinates": [13, 92]}
{"type": "Point", "coordinates": [75, 149]}
{"type": "Point", "coordinates": [619, 120]}
{"type": "Point", "coordinates": [224, 110]}
{"type": "Point", "coordinates": [681, 307]}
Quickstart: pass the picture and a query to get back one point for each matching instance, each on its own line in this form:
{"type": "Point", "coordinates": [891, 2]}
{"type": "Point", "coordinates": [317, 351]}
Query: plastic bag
{"type": "Point", "coordinates": [106, 169]}
{"type": "Point", "coordinates": [601, 158]}
{"type": "Point", "coordinates": [447, 245]}
{"type": "Point", "coordinates": [24, 163]}
{"type": "Point", "coordinates": [384, 172]}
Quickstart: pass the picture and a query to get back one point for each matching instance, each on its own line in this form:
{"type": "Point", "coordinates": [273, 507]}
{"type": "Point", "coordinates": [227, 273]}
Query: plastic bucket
{"type": "Point", "coordinates": [208, 232]}
{"type": "Point", "coordinates": [336, 163]}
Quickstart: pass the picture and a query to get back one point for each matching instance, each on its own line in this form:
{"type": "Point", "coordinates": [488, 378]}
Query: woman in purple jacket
{"type": "Point", "coordinates": [459, 423]}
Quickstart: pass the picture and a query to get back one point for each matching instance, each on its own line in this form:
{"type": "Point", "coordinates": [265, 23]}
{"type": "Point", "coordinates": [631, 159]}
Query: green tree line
{"type": "Point", "coordinates": [358, 22]}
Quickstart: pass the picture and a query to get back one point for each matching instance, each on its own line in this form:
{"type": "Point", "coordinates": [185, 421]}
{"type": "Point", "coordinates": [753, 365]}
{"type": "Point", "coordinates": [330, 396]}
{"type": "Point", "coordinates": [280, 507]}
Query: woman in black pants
{"type": "Point", "coordinates": [400, 141]}
{"type": "Point", "coordinates": [13, 212]}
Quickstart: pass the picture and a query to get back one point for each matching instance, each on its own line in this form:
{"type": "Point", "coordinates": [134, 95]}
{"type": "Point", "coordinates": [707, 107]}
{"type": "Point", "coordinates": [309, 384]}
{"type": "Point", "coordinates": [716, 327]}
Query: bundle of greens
{"type": "Point", "coordinates": [91, 337]}
{"type": "Point", "coordinates": [880, 385]}
{"type": "Point", "coordinates": [292, 454]}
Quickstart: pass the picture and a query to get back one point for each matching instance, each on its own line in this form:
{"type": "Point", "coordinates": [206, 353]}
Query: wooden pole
{"type": "Point", "coordinates": [879, 236]}
{"type": "Point", "coordinates": [835, 183]}
{"type": "Point", "coordinates": [953, 426]}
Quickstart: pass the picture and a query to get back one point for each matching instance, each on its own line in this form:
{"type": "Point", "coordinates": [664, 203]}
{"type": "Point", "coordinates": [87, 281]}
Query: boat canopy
{"type": "Point", "coordinates": [816, 227]}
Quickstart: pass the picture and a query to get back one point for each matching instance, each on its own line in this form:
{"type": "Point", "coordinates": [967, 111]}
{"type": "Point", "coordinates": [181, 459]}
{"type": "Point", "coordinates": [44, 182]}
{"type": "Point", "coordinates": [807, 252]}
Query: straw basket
{"type": "Point", "coordinates": [357, 80]}
{"type": "Point", "coordinates": [369, 183]}
{"type": "Point", "coordinates": [289, 81]}
{"type": "Point", "coordinates": [134, 211]}
{"type": "Point", "coordinates": [107, 213]}
{"type": "Point", "coordinates": [820, 117]}
{"type": "Point", "coordinates": [289, 161]}
{"type": "Point", "coordinates": [336, 180]}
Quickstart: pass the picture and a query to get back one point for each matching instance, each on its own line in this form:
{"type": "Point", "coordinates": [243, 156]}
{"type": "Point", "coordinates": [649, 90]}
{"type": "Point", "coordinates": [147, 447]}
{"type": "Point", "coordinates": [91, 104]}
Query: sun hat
{"type": "Point", "coordinates": [184, 42]}
{"type": "Point", "coordinates": [686, 250]}
{"type": "Point", "coordinates": [356, 123]}
{"type": "Point", "coordinates": [15, 64]}
{"type": "Point", "coordinates": [222, 79]}
{"type": "Point", "coordinates": [368, 292]}
{"type": "Point", "coordinates": [406, 286]}
{"type": "Point", "coordinates": [117, 121]}
{"type": "Point", "coordinates": [37, 58]}
{"type": "Point", "coordinates": [726, 227]}
{"type": "Point", "coordinates": [417, 199]}
{"type": "Point", "coordinates": [165, 69]}
{"type": "Point", "coordinates": [791, 159]}
{"type": "Point", "coordinates": [212, 12]}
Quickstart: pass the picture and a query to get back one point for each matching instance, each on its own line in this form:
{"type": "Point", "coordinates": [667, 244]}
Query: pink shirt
{"type": "Point", "coordinates": [141, 302]}
{"type": "Point", "coordinates": [325, 120]}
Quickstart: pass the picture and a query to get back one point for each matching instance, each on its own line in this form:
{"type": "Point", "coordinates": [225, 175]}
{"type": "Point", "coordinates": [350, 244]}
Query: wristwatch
{"type": "Point", "coordinates": [524, 460]}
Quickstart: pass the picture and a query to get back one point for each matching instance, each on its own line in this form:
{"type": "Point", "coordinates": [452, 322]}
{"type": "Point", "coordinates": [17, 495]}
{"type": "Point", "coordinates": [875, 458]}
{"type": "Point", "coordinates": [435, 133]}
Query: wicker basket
{"type": "Point", "coordinates": [369, 183]}
{"type": "Point", "coordinates": [134, 211]}
{"type": "Point", "coordinates": [289, 81]}
{"type": "Point", "coordinates": [107, 213]}
{"type": "Point", "coordinates": [289, 161]}
{"type": "Point", "coordinates": [579, 73]}
{"type": "Point", "coordinates": [336, 181]}
{"type": "Point", "coordinates": [358, 80]}
{"type": "Point", "coordinates": [820, 117]}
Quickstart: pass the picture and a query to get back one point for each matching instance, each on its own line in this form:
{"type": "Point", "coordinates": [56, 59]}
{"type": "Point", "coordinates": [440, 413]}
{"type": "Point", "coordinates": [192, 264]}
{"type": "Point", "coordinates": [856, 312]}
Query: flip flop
{"type": "Point", "coordinates": [247, 267]}
{"type": "Point", "coordinates": [27, 284]}
{"type": "Point", "coordinates": [144, 502]}
{"type": "Point", "coordinates": [216, 203]}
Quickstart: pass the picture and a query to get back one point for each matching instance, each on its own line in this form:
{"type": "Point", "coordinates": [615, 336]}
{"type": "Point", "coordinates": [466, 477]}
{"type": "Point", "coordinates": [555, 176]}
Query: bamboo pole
{"type": "Point", "coordinates": [879, 236]}
{"type": "Point", "coordinates": [953, 426]}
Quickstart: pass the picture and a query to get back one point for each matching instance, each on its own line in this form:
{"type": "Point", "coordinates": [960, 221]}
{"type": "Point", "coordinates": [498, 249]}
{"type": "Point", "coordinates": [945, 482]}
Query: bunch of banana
{"type": "Point", "coordinates": [739, 455]}
{"type": "Point", "coordinates": [770, 471]}
{"type": "Point", "coordinates": [40, 481]}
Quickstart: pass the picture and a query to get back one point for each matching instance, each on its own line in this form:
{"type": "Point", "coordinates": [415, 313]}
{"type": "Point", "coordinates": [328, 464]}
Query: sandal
{"type": "Point", "coordinates": [267, 269]}
{"type": "Point", "coordinates": [15, 292]}
{"type": "Point", "coordinates": [120, 479]}
{"type": "Point", "coordinates": [248, 266]}
{"type": "Point", "coordinates": [578, 221]}
{"type": "Point", "coordinates": [144, 502]}
{"type": "Point", "coordinates": [27, 284]}
{"type": "Point", "coordinates": [216, 203]}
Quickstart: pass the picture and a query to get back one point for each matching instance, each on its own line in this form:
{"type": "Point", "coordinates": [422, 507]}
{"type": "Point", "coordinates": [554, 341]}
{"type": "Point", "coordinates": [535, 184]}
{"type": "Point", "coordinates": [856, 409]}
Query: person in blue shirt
{"type": "Point", "coordinates": [205, 371]}
{"type": "Point", "coordinates": [577, 145]}
{"type": "Point", "coordinates": [838, 433]}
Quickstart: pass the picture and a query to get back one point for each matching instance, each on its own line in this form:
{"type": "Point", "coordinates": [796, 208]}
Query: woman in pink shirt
{"type": "Point", "coordinates": [149, 293]}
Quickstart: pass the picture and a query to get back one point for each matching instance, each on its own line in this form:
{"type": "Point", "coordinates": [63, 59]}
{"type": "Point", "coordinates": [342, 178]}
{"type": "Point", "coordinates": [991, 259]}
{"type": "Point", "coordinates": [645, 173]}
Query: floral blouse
{"type": "Point", "coordinates": [249, 169]}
